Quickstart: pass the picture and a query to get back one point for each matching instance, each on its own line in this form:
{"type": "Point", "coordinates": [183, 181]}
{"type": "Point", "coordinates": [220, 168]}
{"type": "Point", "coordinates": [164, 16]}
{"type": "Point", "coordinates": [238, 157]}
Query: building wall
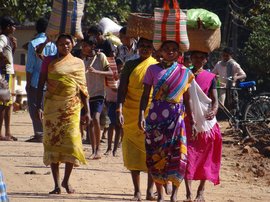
{"type": "Point", "coordinates": [23, 36]}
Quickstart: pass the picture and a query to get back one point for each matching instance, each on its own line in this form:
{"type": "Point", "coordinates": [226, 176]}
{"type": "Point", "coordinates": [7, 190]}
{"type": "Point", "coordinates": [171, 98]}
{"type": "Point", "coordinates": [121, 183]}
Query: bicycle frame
{"type": "Point", "coordinates": [233, 120]}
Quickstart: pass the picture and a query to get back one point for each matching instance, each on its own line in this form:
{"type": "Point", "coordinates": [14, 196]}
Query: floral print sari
{"type": "Point", "coordinates": [62, 105]}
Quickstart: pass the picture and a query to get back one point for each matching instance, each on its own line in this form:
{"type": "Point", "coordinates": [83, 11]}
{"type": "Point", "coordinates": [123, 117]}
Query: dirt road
{"type": "Point", "coordinates": [106, 179]}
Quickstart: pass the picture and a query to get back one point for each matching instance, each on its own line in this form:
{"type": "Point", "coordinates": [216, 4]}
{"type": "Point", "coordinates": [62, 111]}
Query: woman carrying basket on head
{"type": "Point", "coordinates": [204, 148]}
{"type": "Point", "coordinates": [128, 99]}
{"type": "Point", "coordinates": [165, 141]}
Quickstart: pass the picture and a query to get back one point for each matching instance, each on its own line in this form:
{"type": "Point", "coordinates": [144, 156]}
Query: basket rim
{"type": "Point", "coordinates": [146, 15]}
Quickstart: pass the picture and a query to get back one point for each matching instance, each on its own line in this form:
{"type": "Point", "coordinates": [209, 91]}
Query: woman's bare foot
{"type": "Point", "coordinates": [199, 197]}
{"type": "Point", "coordinates": [173, 199]}
{"type": "Point", "coordinates": [6, 138]}
{"type": "Point", "coordinates": [189, 198]}
{"type": "Point", "coordinates": [137, 197]}
{"type": "Point", "coordinates": [91, 156]}
{"type": "Point", "coordinates": [56, 190]}
{"type": "Point", "coordinates": [168, 188]}
{"type": "Point", "coordinates": [13, 138]}
{"type": "Point", "coordinates": [151, 197]}
{"type": "Point", "coordinates": [68, 188]}
{"type": "Point", "coordinates": [115, 153]}
{"type": "Point", "coordinates": [108, 152]}
{"type": "Point", "coordinates": [160, 200]}
{"type": "Point", "coordinates": [97, 155]}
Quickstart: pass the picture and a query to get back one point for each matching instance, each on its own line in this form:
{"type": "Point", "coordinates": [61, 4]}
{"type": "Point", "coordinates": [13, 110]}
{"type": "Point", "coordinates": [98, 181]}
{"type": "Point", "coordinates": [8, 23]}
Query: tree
{"type": "Point", "coordinates": [113, 9]}
{"type": "Point", "coordinates": [26, 10]}
{"type": "Point", "coordinates": [258, 45]}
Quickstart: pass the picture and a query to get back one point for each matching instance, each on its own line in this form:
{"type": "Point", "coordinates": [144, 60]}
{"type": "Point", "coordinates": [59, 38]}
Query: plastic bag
{"type": "Point", "coordinates": [209, 20]}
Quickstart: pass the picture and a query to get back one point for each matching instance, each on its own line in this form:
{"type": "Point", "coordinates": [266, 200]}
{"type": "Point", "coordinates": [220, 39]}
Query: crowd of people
{"type": "Point", "coordinates": [162, 110]}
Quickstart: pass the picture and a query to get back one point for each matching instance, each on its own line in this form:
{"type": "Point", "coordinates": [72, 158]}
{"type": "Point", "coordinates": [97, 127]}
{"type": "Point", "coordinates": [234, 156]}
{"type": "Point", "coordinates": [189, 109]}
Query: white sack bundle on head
{"type": "Point", "coordinates": [109, 26]}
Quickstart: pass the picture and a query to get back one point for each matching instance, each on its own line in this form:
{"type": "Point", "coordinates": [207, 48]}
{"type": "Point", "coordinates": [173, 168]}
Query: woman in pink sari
{"type": "Point", "coordinates": [204, 149]}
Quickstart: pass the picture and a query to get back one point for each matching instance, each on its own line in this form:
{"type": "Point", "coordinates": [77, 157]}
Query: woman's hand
{"type": "Point", "coordinates": [210, 115]}
{"type": "Point", "coordinates": [119, 118]}
{"type": "Point", "coordinates": [39, 114]}
{"type": "Point", "coordinates": [86, 119]}
{"type": "Point", "coordinates": [141, 122]}
{"type": "Point", "coordinates": [194, 135]}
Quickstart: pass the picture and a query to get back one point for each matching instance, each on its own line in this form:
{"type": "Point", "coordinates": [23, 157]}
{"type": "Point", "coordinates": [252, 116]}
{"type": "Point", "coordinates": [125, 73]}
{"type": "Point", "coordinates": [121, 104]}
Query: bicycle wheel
{"type": "Point", "coordinates": [257, 117]}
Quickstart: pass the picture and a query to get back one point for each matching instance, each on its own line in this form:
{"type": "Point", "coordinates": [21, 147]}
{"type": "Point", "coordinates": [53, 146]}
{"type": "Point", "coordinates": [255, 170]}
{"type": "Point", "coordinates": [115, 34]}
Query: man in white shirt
{"type": "Point", "coordinates": [228, 71]}
{"type": "Point", "coordinates": [8, 44]}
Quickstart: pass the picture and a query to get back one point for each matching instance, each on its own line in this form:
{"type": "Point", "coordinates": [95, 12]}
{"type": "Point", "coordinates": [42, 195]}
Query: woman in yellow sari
{"type": "Point", "coordinates": [128, 99]}
{"type": "Point", "coordinates": [66, 92]}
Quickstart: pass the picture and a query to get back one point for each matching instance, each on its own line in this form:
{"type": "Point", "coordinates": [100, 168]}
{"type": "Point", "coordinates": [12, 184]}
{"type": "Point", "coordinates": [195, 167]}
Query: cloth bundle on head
{"type": "Point", "coordinates": [170, 24]}
{"type": "Point", "coordinates": [109, 26]}
{"type": "Point", "coordinates": [66, 17]}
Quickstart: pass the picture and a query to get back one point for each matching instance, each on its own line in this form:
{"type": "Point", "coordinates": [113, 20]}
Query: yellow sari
{"type": "Point", "coordinates": [133, 144]}
{"type": "Point", "coordinates": [62, 105]}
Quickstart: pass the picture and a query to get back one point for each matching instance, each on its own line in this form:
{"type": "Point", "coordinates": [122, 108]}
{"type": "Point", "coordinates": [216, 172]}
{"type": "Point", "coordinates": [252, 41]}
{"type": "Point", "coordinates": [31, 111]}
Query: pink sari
{"type": "Point", "coordinates": [204, 153]}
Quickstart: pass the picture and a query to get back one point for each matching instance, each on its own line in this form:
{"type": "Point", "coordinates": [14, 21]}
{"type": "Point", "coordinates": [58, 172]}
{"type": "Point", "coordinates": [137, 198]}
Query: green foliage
{"type": "Point", "coordinates": [113, 9]}
{"type": "Point", "coordinates": [258, 45]}
{"type": "Point", "coordinates": [23, 10]}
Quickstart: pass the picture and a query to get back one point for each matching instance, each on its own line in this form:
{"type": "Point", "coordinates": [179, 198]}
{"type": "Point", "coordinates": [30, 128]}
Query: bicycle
{"type": "Point", "coordinates": [250, 116]}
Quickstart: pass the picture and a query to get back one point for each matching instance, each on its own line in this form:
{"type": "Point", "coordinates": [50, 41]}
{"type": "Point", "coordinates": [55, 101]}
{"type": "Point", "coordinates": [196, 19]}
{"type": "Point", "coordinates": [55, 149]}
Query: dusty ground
{"type": "Point", "coordinates": [244, 176]}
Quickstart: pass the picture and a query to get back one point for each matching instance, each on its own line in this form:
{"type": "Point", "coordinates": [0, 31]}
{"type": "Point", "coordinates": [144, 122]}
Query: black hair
{"type": "Point", "coordinates": [41, 25]}
{"type": "Point", "coordinates": [228, 50]}
{"type": "Point", "coordinates": [143, 39]}
{"type": "Point", "coordinates": [187, 57]}
{"type": "Point", "coordinates": [169, 41]}
{"type": "Point", "coordinates": [7, 21]}
{"type": "Point", "coordinates": [64, 35]}
{"type": "Point", "coordinates": [123, 30]}
{"type": "Point", "coordinates": [194, 52]}
{"type": "Point", "coordinates": [90, 40]}
{"type": "Point", "coordinates": [95, 29]}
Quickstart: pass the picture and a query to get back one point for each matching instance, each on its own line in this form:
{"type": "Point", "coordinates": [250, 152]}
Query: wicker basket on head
{"type": "Point", "coordinates": [141, 25]}
{"type": "Point", "coordinates": [205, 40]}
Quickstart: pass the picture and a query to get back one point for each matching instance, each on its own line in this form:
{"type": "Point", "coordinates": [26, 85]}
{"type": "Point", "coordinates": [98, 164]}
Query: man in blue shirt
{"type": "Point", "coordinates": [33, 68]}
